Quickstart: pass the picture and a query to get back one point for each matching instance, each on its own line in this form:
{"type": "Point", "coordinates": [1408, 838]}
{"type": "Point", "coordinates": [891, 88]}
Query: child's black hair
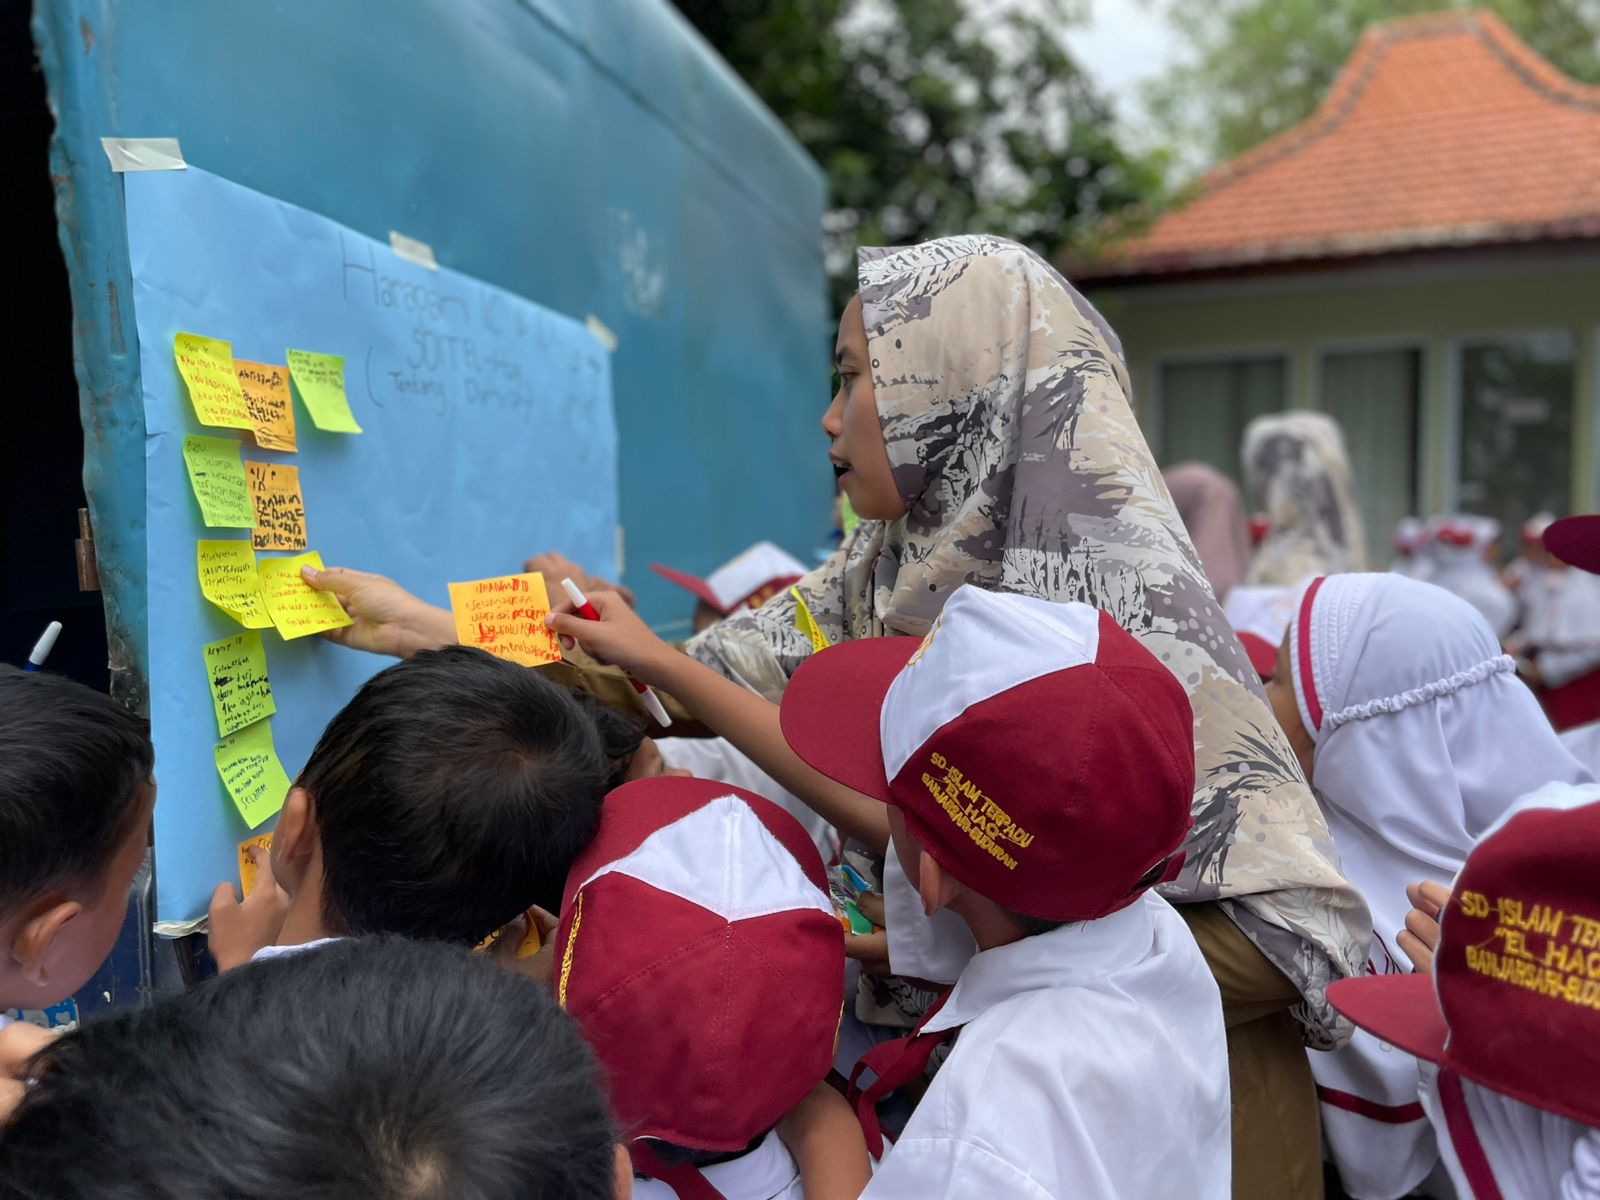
{"type": "Point", "coordinates": [73, 766]}
{"type": "Point", "coordinates": [620, 734]}
{"type": "Point", "coordinates": [369, 1068]}
{"type": "Point", "coordinates": [451, 793]}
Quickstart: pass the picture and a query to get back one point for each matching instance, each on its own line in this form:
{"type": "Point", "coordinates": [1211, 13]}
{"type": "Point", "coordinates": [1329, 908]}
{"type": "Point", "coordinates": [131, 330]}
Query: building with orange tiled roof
{"type": "Point", "coordinates": [1420, 257]}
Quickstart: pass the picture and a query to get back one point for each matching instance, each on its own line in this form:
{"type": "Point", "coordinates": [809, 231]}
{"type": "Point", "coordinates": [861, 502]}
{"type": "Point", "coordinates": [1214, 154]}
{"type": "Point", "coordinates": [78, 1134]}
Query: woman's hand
{"type": "Point", "coordinates": [385, 618]}
{"type": "Point", "coordinates": [238, 928]}
{"type": "Point", "coordinates": [1420, 938]}
{"type": "Point", "coordinates": [556, 567]}
{"type": "Point", "coordinates": [620, 638]}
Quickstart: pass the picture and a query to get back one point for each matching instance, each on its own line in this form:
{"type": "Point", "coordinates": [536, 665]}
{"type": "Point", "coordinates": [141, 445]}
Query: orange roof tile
{"type": "Point", "coordinates": [1442, 130]}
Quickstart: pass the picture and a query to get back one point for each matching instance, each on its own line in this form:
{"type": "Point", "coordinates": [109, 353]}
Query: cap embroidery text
{"type": "Point", "coordinates": [984, 821]}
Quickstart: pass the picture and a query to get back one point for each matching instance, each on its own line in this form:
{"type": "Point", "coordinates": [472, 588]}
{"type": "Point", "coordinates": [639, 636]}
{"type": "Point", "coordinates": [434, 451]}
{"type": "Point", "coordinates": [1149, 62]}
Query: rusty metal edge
{"type": "Point", "coordinates": [93, 237]}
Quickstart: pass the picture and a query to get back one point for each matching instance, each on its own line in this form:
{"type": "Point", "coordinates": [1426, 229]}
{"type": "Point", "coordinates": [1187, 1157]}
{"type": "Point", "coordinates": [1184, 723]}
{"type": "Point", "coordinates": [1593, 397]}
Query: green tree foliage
{"type": "Point", "coordinates": [933, 117]}
{"type": "Point", "coordinates": [1256, 67]}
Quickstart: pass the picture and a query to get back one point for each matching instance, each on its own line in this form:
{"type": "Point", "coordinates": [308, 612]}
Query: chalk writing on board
{"type": "Point", "coordinates": [206, 365]}
{"type": "Point", "coordinates": [505, 616]}
{"type": "Point", "coordinates": [228, 579]}
{"type": "Point", "coordinates": [250, 770]}
{"type": "Point", "coordinates": [266, 397]}
{"type": "Point", "coordinates": [297, 608]}
{"type": "Point", "coordinates": [236, 669]}
{"type": "Point", "coordinates": [218, 481]}
{"type": "Point", "coordinates": [247, 865]}
{"type": "Point", "coordinates": [280, 512]}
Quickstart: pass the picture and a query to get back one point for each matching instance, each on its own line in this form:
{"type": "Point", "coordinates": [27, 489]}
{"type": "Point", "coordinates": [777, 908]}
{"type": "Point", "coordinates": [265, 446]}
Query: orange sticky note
{"type": "Point", "coordinates": [280, 512]}
{"type": "Point", "coordinates": [247, 865]}
{"type": "Point", "coordinates": [228, 579]}
{"type": "Point", "coordinates": [296, 608]}
{"type": "Point", "coordinates": [206, 365]}
{"type": "Point", "coordinates": [505, 616]}
{"type": "Point", "coordinates": [266, 398]}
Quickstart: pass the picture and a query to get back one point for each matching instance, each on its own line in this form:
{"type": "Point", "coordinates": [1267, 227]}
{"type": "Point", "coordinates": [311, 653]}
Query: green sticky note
{"type": "Point", "coordinates": [217, 477]}
{"type": "Point", "coordinates": [206, 365]}
{"type": "Point", "coordinates": [229, 580]}
{"type": "Point", "coordinates": [319, 379]}
{"type": "Point", "coordinates": [250, 770]}
{"type": "Point", "coordinates": [236, 669]}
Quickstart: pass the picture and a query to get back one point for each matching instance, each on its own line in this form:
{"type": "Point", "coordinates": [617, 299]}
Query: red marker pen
{"type": "Point", "coordinates": [652, 702]}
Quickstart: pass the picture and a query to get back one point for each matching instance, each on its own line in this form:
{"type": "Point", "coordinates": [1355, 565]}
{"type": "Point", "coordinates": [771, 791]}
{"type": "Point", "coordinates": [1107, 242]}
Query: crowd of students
{"type": "Point", "coordinates": [985, 860]}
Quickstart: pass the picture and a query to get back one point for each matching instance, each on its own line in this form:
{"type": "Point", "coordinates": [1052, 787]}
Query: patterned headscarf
{"type": "Point", "coordinates": [1003, 397]}
{"type": "Point", "coordinates": [1299, 474]}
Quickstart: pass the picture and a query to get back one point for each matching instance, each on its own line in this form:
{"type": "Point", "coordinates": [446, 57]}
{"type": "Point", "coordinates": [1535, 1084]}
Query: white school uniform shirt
{"type": "Point", "coordinates": [1563, 625]}
{"type": "Point", "coordinates": [716, 758]}
{"type": "Point", "coordinates": [767, 1173]}
{"type": "Point", "coordinates": [1091, 1064]}
{"type": "Point", "coordinates": [1533, 1155]}
{"type": "Point", "coordinates": [1427, 739]}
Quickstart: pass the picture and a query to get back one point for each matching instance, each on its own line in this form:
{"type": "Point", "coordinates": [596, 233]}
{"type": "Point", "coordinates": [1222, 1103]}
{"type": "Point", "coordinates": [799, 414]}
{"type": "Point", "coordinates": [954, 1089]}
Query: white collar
{"type": "Point", "coordinates": [765, 1171]}
{"type": "Point", "coordinates": [295, 948]}
{"type": "Point", "coordinates": [1080, 953]}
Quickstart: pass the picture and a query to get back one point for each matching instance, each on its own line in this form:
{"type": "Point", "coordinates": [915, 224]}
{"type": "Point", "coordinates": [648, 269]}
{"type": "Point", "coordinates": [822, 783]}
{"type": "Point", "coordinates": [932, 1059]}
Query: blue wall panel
{"type": "Point", "coordinates": [592, 155]}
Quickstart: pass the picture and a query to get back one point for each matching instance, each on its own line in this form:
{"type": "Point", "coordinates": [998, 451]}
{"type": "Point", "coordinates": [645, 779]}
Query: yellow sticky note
{"type": "Point", "coordinates": [250, 770]}
{"type": "Point", "coordinates": [280, 512]}
{"type": "Point", "coordinates": [319, 378]}
{"type": "Point", "coordinates": [296, 607]}
{"type": "Point", "coordinates": [236, 669]}
{"type": "Point", "coordinates": [206, 365]}
{"type": "Point", "coordinates": [218, 481]}
{"type": "Point", "coordinates": [505, 616]}
{"type": "Point", "coordinates": [228, 579]}
{"type": "Point", "coordinates": [247, 865]}
{"type": "Point", "coordinates": [266, 398]}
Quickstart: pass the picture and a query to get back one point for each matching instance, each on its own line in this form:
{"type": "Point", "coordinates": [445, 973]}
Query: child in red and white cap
{"type": "Point", "coordinates": [1510, 1016]}
{"type": "Point", "coordinates": [702, 959]}
{"type": "Point", "coordinates": [1038, 763]}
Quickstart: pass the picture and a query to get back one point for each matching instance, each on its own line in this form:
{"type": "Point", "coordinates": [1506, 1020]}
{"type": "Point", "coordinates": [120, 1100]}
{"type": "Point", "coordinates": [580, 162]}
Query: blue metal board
{"type": "Point", "coordinates": [592, 155]}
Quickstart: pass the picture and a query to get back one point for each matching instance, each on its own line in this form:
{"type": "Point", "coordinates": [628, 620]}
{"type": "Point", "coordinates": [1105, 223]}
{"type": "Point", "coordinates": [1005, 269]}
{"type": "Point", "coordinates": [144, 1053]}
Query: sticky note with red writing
{"type": "Point", "coordinates": [505, 616]}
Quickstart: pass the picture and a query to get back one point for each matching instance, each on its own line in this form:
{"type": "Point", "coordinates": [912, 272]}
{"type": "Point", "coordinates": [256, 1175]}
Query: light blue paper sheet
{"type": "Point", "coordinates": [489, 436]}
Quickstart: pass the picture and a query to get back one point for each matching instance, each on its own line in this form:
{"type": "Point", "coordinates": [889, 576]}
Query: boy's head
{"type": "Point", "coordinates": [700, 955]}
{"type": "Point", "coordinates": [747, 581]}
{"type": "Point", "coordinates": [448, 796]}
{"type": "Point", "coordinates": [75, 803]}
{"type": "Point", "coordinates": [1036, 758]}
{"type": "Point", "coordinates": [373, 1068]}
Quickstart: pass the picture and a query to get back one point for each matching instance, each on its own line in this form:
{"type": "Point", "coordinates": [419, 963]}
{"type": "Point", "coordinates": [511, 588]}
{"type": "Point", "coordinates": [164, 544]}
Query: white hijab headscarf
{"type": "Point", "coordinates": [1424, 737]}
{"type": "Point", "coordinates": [1455, 554]}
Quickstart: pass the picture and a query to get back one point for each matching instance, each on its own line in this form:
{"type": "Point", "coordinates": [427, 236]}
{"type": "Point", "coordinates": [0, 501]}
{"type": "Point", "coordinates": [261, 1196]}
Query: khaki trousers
{"type": "Point", "coordinates": [1277, 1132]}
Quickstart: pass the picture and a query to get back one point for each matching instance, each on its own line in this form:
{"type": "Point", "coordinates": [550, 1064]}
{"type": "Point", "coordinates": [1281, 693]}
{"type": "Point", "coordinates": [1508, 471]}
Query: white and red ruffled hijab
{"type": "Point", "coordinates": [1424, 737]}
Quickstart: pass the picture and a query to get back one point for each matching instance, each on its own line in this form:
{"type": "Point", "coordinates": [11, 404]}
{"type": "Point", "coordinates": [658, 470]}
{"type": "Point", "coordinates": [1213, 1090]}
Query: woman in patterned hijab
{"type": "Point", "coordinates": [1003, 400]}
{"type": "Point", "coordinates": [1299, 475]}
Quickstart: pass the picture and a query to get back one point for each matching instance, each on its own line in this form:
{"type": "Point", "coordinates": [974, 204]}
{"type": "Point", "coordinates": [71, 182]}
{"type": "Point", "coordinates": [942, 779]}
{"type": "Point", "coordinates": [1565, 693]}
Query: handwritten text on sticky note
{"type": "Point", "coordinates": [280, 512]}
{"type": "Point", "coordinates": [319, 378]}
{"type": "Point", "coordinates": [218, 481]}
{"type": "Point", "coordinates": [228, 579]}
{"type": "Point", "coordinates": [266, 398]}
{"type": "Point", "coordinates": [250, 770]}
{"type": "Point", "coordinates": [505, 616]}
{"type": "Point", "coordinates": [236, 669]}
{"type": "Point", "coordinates": [247, 865]}
{"type": "Point", "coordinates": [206, 365]}
{"type": "Point", "coordinates": [297, 608]}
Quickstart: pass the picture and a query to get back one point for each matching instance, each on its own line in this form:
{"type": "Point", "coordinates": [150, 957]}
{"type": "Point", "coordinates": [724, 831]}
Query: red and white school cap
{"type": "Point", "coordinates": [700, 955]}
{"type": "Point", "coordinates": [1038, 752]}
{"type": "Point", "coordinates": [747, 581]}
{"type": "Point", "coordinates": [1514, 999]}
{"type": "Point", "coordinates": [1575, 541]}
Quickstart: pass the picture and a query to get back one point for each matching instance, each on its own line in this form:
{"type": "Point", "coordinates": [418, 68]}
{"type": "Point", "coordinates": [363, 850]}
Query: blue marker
{"type": "Point", "coordinates": [42, 648]}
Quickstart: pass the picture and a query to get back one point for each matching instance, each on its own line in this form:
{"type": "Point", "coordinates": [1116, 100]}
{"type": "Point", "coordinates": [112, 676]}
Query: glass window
{"type": "Point", "coordinates": [1516, 426]}
{"type": "Point", "coordinates": [1375, 395]}
{"type": "Point", "coordinates": [1206, 405]}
